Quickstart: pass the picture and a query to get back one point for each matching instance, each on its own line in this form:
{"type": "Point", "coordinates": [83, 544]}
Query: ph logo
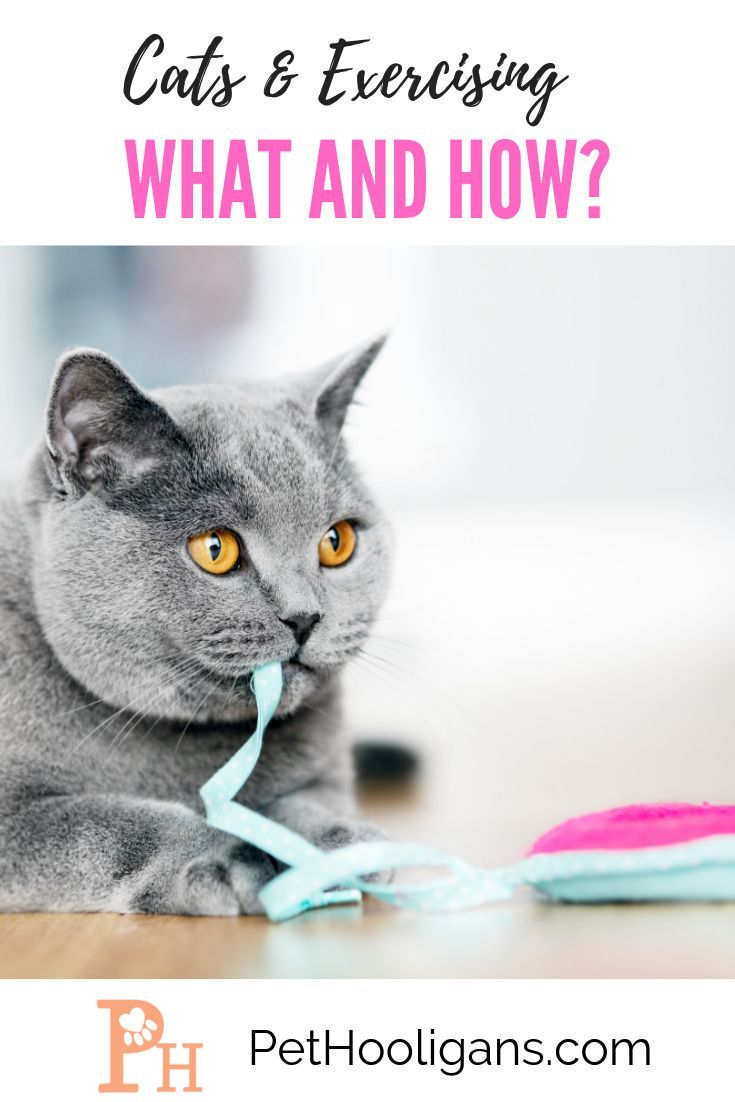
{"type": "Point", "coordinates": [135, 1027]}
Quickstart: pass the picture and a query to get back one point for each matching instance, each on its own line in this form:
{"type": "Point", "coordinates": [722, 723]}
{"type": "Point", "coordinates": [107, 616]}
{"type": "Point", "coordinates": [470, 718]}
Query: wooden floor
{"type": "Point", "coordinates": [578, 661]}
{"type": "Point", "coordinates": [510, 941]}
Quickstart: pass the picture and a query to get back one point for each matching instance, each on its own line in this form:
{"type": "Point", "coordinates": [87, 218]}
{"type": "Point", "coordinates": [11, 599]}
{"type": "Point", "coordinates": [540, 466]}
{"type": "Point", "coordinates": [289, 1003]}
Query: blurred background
{"type": "Point", "coordinates": [551, 433]}
{"type": "Point", "coordinates": [513, 374]}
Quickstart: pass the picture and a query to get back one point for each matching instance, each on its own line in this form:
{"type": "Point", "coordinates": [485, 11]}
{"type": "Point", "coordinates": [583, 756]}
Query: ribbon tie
{"type": "Point", "coordinates": [310, 880]}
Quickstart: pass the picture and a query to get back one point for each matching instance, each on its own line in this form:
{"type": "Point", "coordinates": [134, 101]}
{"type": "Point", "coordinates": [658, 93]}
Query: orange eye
{"type": "Point", "coordinates": [216, 551]}
{"type": "Point", "coordinates": [338, 544]}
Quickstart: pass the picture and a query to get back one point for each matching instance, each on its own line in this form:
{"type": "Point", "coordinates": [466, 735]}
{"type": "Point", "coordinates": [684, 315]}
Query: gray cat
{"type": "Point", "coordinates": [158, 548]}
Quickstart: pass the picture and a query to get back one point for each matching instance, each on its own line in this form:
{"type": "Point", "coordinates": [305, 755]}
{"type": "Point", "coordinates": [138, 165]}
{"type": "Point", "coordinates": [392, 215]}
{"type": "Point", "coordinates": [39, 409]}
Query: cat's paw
{"type": "Point", "coordinates": [347, 832]}
{"type": "Point", "coordinates": [224, 884]}
{"type": "Point", "coordinates": [224, 881]}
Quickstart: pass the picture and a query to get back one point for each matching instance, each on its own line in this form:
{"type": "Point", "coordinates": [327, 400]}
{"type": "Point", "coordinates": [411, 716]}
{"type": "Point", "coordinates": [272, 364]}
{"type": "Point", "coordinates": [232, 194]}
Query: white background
{"type": "Point", "coordinates": [652, 80]}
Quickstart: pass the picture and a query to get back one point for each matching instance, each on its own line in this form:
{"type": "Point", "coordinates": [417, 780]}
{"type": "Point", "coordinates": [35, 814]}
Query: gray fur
{"type": "Point", "coordinates": [124, 667]}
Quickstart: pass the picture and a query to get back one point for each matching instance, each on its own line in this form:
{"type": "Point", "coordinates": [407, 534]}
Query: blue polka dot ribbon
{"type": "Point", "coordinates": [702, 869]}
{"type": "Point", "coordinates": [315, 878]}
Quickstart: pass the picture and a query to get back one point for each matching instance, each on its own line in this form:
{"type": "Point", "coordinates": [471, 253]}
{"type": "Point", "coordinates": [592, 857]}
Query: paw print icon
{"type": "Point", "coordinates": [137, 1027]}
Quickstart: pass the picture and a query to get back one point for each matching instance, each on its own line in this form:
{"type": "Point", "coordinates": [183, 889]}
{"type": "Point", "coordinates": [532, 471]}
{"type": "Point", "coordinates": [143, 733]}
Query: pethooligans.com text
{"type": "Point", "coordinates": [450, 1055]}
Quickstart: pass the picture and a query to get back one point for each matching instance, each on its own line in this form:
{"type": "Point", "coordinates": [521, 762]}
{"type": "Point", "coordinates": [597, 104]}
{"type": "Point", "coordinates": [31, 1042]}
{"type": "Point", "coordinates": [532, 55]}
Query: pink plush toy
{"type": "Point", "coordinates": [638, 852]}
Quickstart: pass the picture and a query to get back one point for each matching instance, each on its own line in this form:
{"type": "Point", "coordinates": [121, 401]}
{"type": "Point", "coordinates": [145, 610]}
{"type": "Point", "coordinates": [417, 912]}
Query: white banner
{"type": "Point", "coordinates": [471, 123]}
{"type": "Point", "coordinates": [358, 1039]}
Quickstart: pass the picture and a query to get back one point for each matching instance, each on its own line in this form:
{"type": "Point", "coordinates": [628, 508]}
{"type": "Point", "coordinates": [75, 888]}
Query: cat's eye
{"type": "Point", "coordinates": [338, 544]}
{"type": "Point", "coordinates": [216, 551]}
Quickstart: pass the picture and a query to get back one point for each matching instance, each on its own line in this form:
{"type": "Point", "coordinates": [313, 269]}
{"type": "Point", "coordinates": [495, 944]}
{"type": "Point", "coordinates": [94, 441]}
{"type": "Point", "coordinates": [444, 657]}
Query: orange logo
{"type": "Point", "coordinates": [136, 1026]}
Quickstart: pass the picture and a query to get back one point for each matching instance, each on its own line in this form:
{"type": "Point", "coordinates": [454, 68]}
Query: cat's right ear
{"type": "Point", "coordinates": [101, 429]}
{"type": "Point", "coordinates": [332, 388]}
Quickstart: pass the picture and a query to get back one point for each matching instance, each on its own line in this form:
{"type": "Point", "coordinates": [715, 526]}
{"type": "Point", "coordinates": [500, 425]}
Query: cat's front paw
{"type": "Point", "coordinates": [222, 881]}
{"type": "Point", "coordinates": [346, 833]}
{"type": "Point", "coordinates": [225, 884]}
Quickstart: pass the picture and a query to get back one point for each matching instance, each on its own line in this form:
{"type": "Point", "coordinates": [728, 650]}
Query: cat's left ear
{"type": "Point", "coordinates": [337, 382]}
{"type": "Point", "coordinates": [102, 429]}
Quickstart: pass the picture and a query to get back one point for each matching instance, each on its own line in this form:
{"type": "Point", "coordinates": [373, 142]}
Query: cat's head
{"type": "Point", "coordinates": [190, 534]}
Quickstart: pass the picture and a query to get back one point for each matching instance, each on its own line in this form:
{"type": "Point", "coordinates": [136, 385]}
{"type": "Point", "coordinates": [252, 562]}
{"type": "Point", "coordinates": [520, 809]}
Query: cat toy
{"type": "Point", "coordinates": [647, 852]}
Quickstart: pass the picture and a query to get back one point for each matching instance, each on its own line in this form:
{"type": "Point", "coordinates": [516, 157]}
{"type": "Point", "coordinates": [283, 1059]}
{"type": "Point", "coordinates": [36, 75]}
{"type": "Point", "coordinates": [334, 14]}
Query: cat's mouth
{"type": "Point", "coordinates": [212, 690]}
{"type": "Point", "coordinates": [296, 673]}
{"type": "Point", "coordinates": [297, 664]}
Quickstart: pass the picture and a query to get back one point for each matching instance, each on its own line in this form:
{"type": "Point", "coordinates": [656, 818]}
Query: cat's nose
{"type": "Point", "coordinates": [302, 624]}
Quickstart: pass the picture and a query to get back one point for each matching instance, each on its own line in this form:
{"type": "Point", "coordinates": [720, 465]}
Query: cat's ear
{"type": "Point", "coordinates": [100, 427]}
{"type": "Point", "coordinates": [333, 387]}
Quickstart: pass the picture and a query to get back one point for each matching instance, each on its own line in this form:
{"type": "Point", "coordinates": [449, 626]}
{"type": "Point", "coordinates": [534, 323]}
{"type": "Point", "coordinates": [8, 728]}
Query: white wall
{"type": "Point", "coordinates": [520, 372]}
